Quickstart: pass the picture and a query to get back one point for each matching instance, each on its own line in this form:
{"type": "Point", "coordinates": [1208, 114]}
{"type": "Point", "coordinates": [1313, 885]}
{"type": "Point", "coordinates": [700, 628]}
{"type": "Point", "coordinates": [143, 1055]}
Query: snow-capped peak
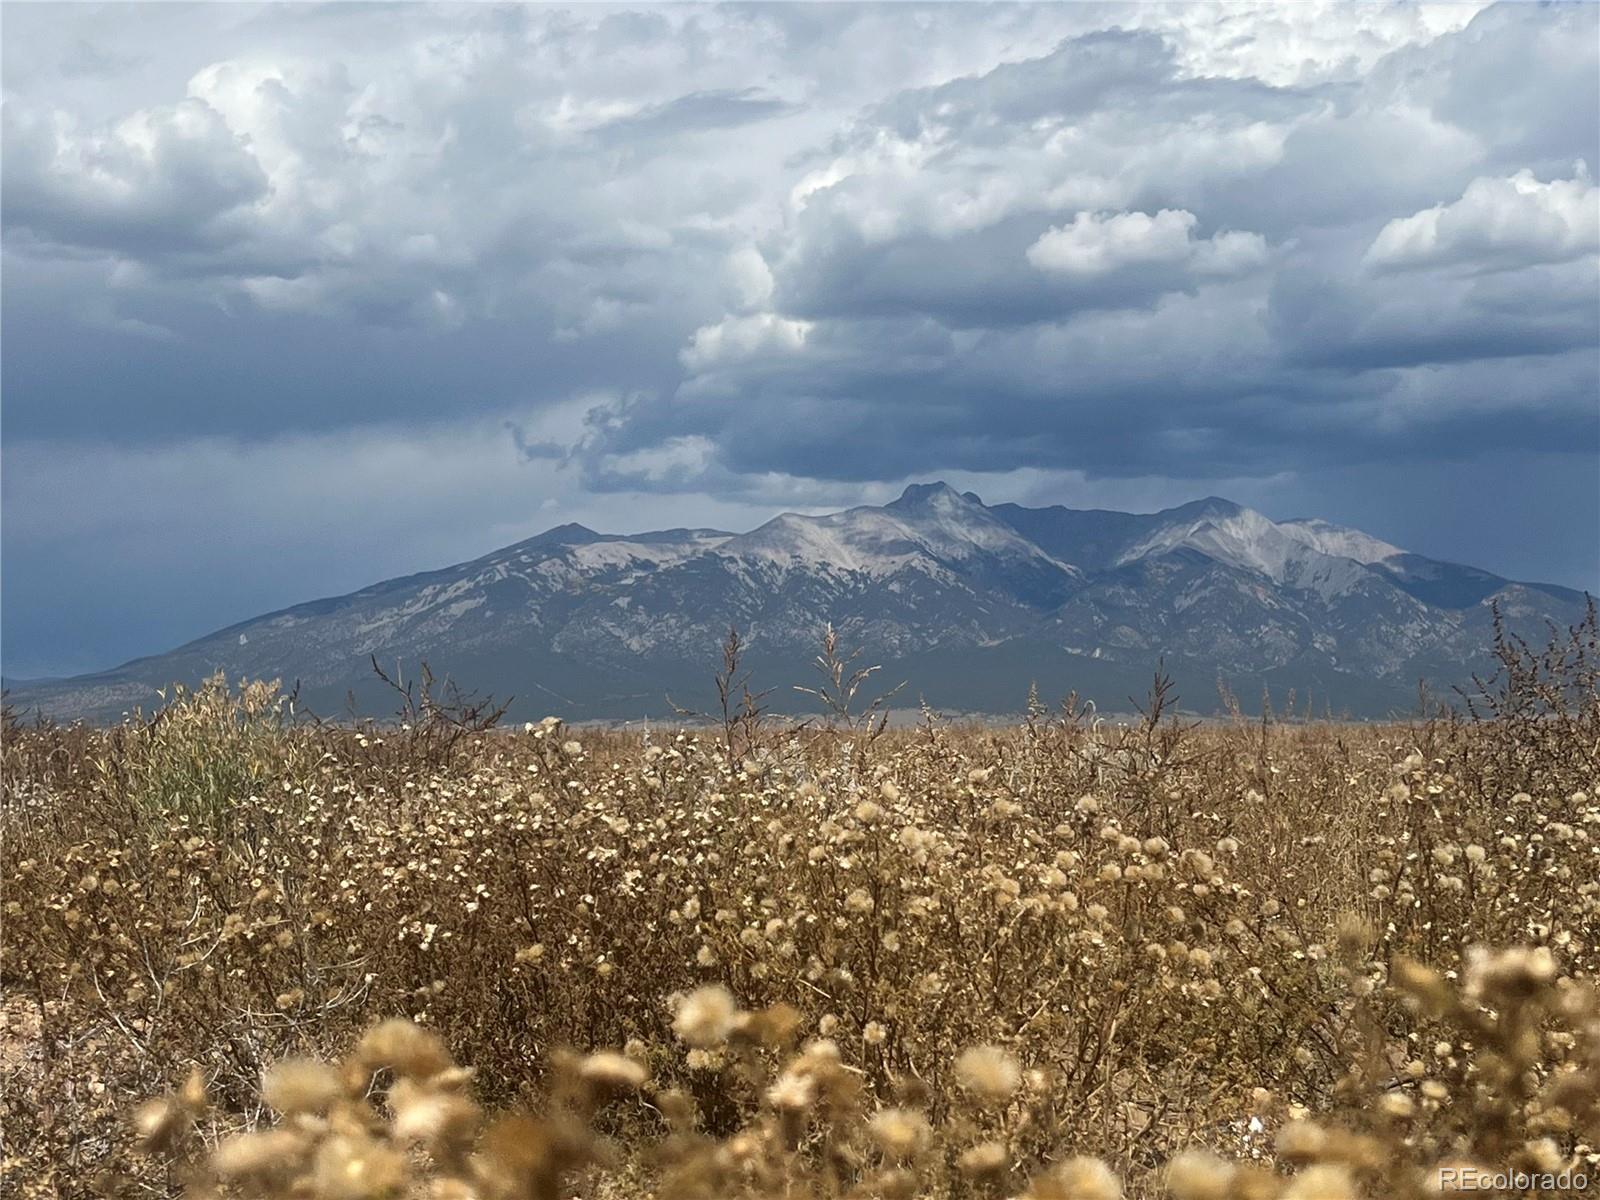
{"type": "Point", "coordinates": [611, 617]}
{"type": "Point", "coordinates": [1339, 540]}
{"type": "Point", "coordinates": [937, 494]}
{"type": "Point", "coordinates": [1324, 558]}
{"type": "Point", "coordinates": [928, 522]}
{"type": "Point", "coordinates": [1238, 536]}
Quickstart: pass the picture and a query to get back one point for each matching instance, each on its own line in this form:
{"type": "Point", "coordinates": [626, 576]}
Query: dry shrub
{"type": "Point", "coordinates": [957, 960]}
{"type": "Point", "coordinates": [1505, 1098]}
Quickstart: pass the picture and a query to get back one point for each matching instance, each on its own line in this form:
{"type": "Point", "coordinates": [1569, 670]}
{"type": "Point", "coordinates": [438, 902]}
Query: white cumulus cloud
{"type": "Point", "coordinates": [1497, 222]}
{"type": "Point", "coordinates": [741, 338]}
{"type": "Point", "coordinates": [1094, 244]}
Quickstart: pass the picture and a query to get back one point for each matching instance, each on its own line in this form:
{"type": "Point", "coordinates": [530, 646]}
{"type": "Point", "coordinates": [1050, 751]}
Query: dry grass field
{"type": "Point", "coordinates": [1061, 960]}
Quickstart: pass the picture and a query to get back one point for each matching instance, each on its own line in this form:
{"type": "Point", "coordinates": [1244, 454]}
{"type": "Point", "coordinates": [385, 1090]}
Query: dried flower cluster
{"type": "Point", "coordinates": [1064, 960]}
{"type": "Point", "coordinates": [396, 1117]}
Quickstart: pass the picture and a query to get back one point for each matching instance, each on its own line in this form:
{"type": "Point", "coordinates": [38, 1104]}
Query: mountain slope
{"type": "Point", "coordinates": [968, 603]}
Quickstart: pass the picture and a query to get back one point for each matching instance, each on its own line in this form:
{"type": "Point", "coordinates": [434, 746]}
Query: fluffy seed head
{"type": "Point", "coordinates": [1085, 1178]}
{"type": "Point", "coordinates": [901, 1133]}
{"type": "Point", "coordinates": [1325, 1181]}
{"type": "Point", "coordinates": [613, 1070]}
{"type": "Point", "coordinates": [300, 1085]}
{"type": "Point", "coordinates": [793, 1091]}
{"type": "Point", "coordinates": [989, 1073]}
{"type": "Point", "coordinates": [409, 1049]}
{"type": "Point", "coordinates": [985, 1159]}
{"type": "Point", "coordinates": [705, 1017]}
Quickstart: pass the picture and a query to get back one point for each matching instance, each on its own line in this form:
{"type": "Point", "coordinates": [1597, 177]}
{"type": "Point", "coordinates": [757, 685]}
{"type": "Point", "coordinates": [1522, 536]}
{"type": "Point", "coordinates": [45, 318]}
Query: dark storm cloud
{"type": "Point", "coordinates": [1521, 78]}
{"type": "Point", "coordinates": [367, 280]}
{"type": "Point", "coordinates": [1361, 324]}
{"type": "Point", "coordinates": [932, 305]}
{"type": "Point", "coordinates": [166, 186]}
{"type": "Point", "coordinates": [1195, 382]}
{"type": "Point", "coordinates": [1015, 272]}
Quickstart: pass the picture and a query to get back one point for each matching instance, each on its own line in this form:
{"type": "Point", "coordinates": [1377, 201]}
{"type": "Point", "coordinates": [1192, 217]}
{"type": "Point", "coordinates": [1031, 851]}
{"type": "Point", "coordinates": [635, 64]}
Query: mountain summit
{"type": "Point", "coordinates": [968, 603]}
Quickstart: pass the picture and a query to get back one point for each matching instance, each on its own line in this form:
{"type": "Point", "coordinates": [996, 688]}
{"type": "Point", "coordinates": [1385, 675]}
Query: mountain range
{"type": "Point", "coordinates": [965, 603]}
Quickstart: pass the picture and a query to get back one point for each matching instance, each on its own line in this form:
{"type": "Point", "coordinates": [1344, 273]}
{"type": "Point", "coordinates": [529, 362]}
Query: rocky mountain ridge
{"type": "Point", "coordinates": [967, 603]}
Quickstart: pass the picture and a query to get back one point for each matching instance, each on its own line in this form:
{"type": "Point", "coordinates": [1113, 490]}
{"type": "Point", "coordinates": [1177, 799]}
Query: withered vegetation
{"type": "Point", "coordinates": [1063, 960]}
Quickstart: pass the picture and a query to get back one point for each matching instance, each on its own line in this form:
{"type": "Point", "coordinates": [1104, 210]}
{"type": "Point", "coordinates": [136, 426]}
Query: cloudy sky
{"type": "Point", "coordinates": [297, 298]}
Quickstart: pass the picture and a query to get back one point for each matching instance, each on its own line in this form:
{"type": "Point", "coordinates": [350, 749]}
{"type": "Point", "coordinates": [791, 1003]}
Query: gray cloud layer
{"type": "Point", "coordinates": [381, 289]}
